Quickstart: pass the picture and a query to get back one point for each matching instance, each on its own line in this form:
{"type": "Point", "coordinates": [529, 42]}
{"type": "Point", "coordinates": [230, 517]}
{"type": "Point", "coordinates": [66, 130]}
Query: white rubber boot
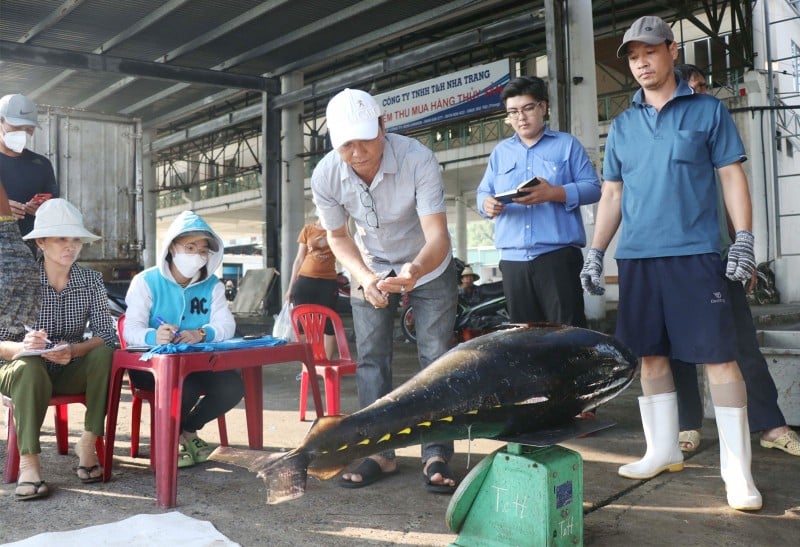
{"type": "Point", "coordinates": [734, 458]}
{"type": "Point", "coordinates": [660, 424]}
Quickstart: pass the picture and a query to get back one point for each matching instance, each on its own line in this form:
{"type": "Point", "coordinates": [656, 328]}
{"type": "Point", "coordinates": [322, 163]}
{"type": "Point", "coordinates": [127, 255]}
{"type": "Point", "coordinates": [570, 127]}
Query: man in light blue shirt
{"type": "Point", "coordinates": [539, 235]}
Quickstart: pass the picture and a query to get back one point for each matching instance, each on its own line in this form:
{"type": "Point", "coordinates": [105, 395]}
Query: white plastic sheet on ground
{"type": "Point", "coordinates": [168, 529]}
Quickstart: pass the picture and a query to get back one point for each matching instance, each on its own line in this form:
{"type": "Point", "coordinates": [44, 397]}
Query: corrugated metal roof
{"type": "Point", "coordinates": [321, 38]}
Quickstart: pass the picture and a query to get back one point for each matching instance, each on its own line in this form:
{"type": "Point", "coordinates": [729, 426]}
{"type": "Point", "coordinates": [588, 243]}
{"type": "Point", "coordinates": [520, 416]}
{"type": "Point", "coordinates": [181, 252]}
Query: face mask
{"type": "Point", "coordinates": [188, 264]}
{"type": "Point", "coordinates": [16, 140]}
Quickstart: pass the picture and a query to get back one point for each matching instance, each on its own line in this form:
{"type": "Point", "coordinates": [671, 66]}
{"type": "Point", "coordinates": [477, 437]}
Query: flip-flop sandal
{"type": "Point", "coordinates": [689, 441]}
{"type": "Point", "coordinates": [444, 470]}
{"type": "Point", "coordinates": [185, 459]}
{"type": "Point", "coordinates": [85, 473]}
{"type": "Point", "coordinates": [199, 449]}
{"type": "Point", "coordinates": [40, 490]}
{"type": "Point", "coordinates": [370, 472]}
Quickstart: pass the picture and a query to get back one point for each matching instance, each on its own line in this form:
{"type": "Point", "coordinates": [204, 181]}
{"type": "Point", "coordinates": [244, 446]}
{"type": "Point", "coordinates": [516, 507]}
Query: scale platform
{"type": "Point", "coordinates": [527, 493]}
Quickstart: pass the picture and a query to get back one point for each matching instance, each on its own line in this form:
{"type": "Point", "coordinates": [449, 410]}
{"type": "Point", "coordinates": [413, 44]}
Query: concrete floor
{"type": "Point", "coordinates": [686, 508]}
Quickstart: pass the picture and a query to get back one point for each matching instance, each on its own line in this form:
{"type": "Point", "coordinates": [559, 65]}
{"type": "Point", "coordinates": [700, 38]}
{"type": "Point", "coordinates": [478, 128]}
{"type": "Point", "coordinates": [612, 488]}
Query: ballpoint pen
{"type": "Point", "coordinates": [31, 329]}
{"type": "Point", "coordinates": [161, 321]}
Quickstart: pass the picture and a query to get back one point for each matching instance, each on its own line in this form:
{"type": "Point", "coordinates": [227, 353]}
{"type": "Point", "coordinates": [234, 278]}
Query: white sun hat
{"type": "Point", "coordinates": [59, 218]}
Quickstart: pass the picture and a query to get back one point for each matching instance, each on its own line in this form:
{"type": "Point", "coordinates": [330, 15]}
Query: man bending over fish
{"type": "Point", "coordinates": [392, 187]}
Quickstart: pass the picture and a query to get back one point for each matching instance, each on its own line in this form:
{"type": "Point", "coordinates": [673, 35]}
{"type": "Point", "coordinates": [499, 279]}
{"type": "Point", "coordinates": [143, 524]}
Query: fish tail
{"type": "Point", "coordinates": [286, 477]}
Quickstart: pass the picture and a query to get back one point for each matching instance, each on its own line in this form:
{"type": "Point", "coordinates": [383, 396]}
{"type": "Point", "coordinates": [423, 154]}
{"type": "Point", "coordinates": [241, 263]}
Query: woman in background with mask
{"type": "Point", "coordinates": [180, 300]}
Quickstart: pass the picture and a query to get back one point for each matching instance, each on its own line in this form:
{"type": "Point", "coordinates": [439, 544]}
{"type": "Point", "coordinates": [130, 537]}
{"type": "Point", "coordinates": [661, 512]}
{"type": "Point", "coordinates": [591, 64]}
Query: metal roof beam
{"type": "Point", "coordinates": [491, 33]}
{"type": "Point", "coordinates": [46, 56]}
{"type": "Point", "coordinates": [440, 14]}
{"type": "Point", "coordinates": [201, 40]}
{"type": "Point", "coordinates": [143, 23]}
{"type": "Point", "coordinates": [55, 16]}
{"type": "Point", "coordinates": [300, 33]}
{"type": "Point", "coordinates": [455, 7]}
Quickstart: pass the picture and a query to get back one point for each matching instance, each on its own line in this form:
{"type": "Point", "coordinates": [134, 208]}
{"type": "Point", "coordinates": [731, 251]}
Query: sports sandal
{"type": "Point", "coordinates": [789, 442]}
{"type": "Point", "coordinates": [198, 449]}
{"type": "Point", "coordinates": [185, 459]}
{"type": "Point", "coordinates": [689, 441]}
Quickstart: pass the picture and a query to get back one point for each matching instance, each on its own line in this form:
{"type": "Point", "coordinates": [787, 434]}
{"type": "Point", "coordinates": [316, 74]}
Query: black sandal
{"type": "Point", "coordinates": [444, 470]}
{"type": "Point", "coordinates": [370, 472]}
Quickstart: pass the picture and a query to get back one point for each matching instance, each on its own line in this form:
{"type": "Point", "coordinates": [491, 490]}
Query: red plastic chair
{"type": "Point", "coordinates": [138, 395]}
{"type": "Point", "coordinates": [11, 470]}
{"type": "Point", "coordinates": [309, 320]}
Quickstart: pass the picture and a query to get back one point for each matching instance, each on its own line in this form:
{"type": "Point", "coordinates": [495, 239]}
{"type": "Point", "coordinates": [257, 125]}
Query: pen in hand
{"type": "Point", "coordinates": [161, 321]}
{"type": "Point", "coordinates": [31, 329]}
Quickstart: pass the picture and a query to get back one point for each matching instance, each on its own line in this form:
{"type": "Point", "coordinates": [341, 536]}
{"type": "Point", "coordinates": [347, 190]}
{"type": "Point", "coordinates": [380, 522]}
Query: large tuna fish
{"type": "Point", "coordinates": [519, 380]}
{"type": "Point", "coordinates": [19, 275]}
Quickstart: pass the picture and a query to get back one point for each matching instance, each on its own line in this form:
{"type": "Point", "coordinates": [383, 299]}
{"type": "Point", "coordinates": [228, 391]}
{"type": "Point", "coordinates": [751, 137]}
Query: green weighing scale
{"type": "Point", "coordinates": [527, 493]}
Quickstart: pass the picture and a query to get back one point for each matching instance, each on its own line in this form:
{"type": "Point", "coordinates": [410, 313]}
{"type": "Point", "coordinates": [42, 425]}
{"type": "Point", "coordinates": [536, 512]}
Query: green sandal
{"type": "Point", "coordinates": [185, 458]}
{"type": "Point", "coordinates": [199, 449]}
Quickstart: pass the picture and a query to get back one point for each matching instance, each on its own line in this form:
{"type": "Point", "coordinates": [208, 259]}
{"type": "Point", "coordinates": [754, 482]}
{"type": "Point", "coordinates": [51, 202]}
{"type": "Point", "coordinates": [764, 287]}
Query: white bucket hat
{"type": "Point", "coordinates": [59, 218]}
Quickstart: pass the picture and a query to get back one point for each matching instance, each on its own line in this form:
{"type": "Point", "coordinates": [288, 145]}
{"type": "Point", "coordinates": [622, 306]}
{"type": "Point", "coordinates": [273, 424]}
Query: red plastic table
{"type": "Point", "coordinates": [169, 371]}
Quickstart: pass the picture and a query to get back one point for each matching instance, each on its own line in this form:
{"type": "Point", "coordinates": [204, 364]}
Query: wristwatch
{"type": "Point", "coordinates": [202, 332]}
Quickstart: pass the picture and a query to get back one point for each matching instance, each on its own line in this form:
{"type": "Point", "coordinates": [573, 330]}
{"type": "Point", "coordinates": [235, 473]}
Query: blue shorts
{"type": "Point", "coordinates": [677, 307]}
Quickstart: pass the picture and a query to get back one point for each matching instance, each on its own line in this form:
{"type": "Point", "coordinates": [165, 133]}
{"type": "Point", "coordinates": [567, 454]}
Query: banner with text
{"type": "Point", "coordinates": [465, 93]}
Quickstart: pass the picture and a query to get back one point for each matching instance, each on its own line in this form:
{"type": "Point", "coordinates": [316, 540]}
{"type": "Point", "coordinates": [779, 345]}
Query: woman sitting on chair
{"type": "Point", "coordinates": [181, 301]}
{"type": "Point", "coordinates": [71, 295]}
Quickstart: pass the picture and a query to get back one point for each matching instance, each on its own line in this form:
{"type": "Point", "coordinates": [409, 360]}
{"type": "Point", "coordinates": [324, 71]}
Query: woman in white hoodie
{"type": "Point", "coordinates": [181, 301]}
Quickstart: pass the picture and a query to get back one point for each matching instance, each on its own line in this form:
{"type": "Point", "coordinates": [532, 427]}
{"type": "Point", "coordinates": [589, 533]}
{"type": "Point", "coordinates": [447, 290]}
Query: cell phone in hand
{"type": "Point", "coordinates": [38, 199]}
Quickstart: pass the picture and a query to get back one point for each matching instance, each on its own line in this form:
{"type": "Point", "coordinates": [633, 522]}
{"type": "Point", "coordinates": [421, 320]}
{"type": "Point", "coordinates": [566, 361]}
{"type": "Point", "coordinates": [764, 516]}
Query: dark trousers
{"type": "Point", "coordinates": [223, 391]}
{"type": "Point", "coordinates": [762, 396]}
{"type": "Point", "coordinates": [546, 289]}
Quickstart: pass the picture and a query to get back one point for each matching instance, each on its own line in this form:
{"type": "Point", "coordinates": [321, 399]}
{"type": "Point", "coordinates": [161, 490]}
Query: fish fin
{"type": "Point", "coordinates": [286, 477]}
{"type": "Point", "coordinates": [252, 460]}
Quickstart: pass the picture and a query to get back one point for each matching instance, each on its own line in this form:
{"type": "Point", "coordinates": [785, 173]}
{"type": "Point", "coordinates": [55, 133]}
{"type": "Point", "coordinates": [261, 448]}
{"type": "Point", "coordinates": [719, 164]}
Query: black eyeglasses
{"type": "Point", "coordinates": [367, 201]}
{"type": "Point", "coordinates": [526, 111]}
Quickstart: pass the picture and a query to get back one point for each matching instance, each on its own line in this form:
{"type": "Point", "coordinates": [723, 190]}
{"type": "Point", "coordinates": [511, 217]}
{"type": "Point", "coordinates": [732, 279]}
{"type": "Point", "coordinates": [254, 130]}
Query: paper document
{"type": "Point", "coordinates": [28, 352]}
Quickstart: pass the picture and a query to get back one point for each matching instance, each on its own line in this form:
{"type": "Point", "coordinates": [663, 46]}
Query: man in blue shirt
{"type": "Point", "coordinates": [539, 235]}
{"type": "Point", "coordinates": [659, 183]}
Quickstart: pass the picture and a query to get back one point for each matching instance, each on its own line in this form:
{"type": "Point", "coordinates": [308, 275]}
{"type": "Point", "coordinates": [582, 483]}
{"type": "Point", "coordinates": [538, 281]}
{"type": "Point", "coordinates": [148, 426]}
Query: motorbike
{"type": "Point", "coordinates": [343, 294]}
{"type": "Point", "coordinates": [765, 291]}
{"type": "Point", "coordinates": [471, 320]}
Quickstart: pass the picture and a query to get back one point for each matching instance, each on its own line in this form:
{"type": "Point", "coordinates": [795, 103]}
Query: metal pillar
{"type": "Point", "coordinates": [556, 71]}
{"type": "Point", "coordinates": [292, 178]}
{"type": "Point", "coordinates": [582, 95]}
{"type": "Point", "coordinates": [149, 200]}
{"type": "Point", "coordinates": [460, 248]}
{"type": "Point", "coordinates": [271, 191]}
